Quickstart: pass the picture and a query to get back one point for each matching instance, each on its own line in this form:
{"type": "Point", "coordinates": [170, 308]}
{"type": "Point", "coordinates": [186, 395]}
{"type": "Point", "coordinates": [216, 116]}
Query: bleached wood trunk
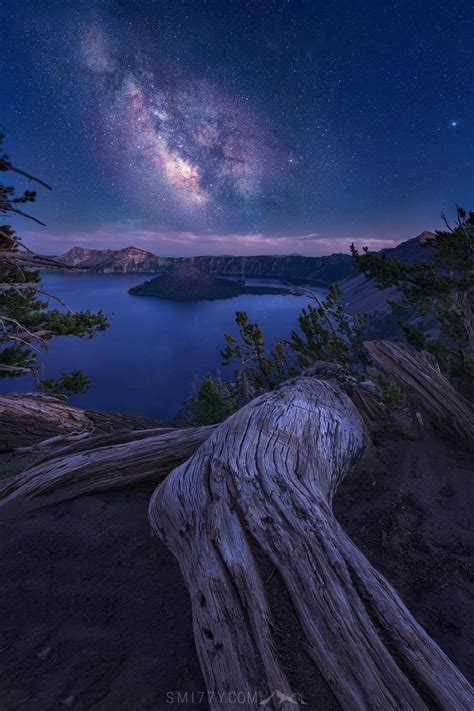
{"type": "Point", "coordinates": [262, 486]}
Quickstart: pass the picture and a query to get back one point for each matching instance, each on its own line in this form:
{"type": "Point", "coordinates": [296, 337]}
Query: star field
{"type": "Point", "coordinates": [304, 121]}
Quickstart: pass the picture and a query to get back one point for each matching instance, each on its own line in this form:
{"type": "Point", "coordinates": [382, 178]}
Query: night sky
{"type": "Point", "coordinates": [231, 127]}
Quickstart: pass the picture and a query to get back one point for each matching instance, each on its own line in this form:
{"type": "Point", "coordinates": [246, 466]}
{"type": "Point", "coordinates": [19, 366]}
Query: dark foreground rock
{"type": "Point", "coordinates": [408, 506]}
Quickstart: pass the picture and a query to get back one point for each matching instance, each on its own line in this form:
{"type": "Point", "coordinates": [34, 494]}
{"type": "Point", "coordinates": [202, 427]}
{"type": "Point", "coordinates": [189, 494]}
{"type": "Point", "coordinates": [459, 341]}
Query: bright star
{"type": "Point", "coordinates": [454, 124]}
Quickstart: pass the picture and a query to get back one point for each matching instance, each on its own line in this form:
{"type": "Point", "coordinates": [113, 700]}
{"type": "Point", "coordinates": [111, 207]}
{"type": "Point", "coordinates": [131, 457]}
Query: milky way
{"type": "Point", "coordinates": [274, 125]}
{"type": "Point", "coordinates": [180, 145]}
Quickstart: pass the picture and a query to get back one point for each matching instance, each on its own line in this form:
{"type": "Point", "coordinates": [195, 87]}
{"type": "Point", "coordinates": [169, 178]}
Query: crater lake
{"type": "Point", "coordinates": [155, 351]}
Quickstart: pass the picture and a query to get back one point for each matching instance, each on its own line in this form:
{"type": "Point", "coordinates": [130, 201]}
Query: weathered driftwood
{"type": "Point", "coordinates": [365, 395]}
{"type": "Point", "coordinates": [105, 468]}
{"type": "Point", "coordinates": [261, 487]}
{"type": "Point", "coordinates": [423, 383]}
{"type": "Point", "coordinates": [31, 418]}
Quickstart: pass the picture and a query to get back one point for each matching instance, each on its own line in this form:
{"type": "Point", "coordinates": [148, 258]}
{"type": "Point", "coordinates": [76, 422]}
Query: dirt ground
{"type": "Point", "coordinates": [94, 613]}
{"type": "Point", "coordinates": [409, 507]}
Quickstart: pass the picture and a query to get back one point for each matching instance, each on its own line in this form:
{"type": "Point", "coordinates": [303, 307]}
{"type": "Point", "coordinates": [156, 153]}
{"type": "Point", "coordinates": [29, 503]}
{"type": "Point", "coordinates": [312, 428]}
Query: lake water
{"type": "Point", "coordinates": [154, 351]}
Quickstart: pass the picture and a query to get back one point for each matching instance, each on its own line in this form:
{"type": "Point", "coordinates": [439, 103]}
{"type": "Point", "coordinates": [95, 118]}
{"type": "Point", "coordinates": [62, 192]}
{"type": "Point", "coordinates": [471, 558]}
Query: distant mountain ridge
{"type": "Point", "coordinates": [132, 259]}
{"type": "Point", "coordinates": [110, 261]}
{"type": "Point", "coordinates": [361, 294]}
{"type": "Point", "coordinates": [293, 268]}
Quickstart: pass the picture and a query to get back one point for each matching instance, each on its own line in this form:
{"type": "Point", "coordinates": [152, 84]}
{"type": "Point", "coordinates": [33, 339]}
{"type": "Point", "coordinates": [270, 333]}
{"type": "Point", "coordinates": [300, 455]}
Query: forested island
{"type": "Point", "coordinates": [192, 283]}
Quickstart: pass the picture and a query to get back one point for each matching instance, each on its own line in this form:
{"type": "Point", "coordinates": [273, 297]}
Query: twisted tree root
{"type": "Point", "coordinates": [267, 477]}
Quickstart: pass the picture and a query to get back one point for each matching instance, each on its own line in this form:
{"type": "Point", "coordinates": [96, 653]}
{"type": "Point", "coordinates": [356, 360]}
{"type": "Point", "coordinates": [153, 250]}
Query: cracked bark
{"type": "Point", "coordinates": [96, 465]}
{"type": "Point", "coordinates": [268, 476]}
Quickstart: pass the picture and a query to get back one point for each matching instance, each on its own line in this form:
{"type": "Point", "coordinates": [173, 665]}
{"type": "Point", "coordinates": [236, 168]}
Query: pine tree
{"type": "Point", "coordinates": [435, 302]}
{"type": "Point", "coordinates": [328, 333]}
{"type": "Point", "coordinates": [27, 321]}
{"type": "Point", "coordinates": [257, 371]}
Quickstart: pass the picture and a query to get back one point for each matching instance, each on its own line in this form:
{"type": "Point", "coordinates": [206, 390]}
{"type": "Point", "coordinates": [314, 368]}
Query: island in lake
{"type": "Point", "coordinates": [185, 282]}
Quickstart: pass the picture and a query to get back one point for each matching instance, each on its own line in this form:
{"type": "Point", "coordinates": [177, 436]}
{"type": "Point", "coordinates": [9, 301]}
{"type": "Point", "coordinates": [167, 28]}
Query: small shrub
{"type": "Point", "coordinates": [11, 468]}
{"type": "Point", "coordinates": [67, 384]}
{"type": "Point", "coordinates": [211, 404]}
{"type": "Point", "coordinates": [392, 394]}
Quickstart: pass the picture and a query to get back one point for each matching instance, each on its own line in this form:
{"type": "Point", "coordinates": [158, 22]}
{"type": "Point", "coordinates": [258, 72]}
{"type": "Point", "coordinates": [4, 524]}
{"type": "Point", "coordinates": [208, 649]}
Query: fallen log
{"type": "Point", "coordinates": [44, 407]}
{"type": "Point", "coordinates": [36, 421]}
{"type": "Point", "coordinates": [260, 488]}
{"type": "Point", "coordinates": [422, 381]}
{"type": "Point", "coordinates": [148, 458]}
{"type": "Point", "coordinates": [82, 442]}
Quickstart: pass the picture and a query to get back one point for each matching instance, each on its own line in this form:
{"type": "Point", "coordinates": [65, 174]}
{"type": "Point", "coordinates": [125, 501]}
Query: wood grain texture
{"type": "Point", "coordinates": [148, 458]}
{"type": "Point", "coordinates": [265, 480]}
{"type": "Point", "coordinates": [422, 381]}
